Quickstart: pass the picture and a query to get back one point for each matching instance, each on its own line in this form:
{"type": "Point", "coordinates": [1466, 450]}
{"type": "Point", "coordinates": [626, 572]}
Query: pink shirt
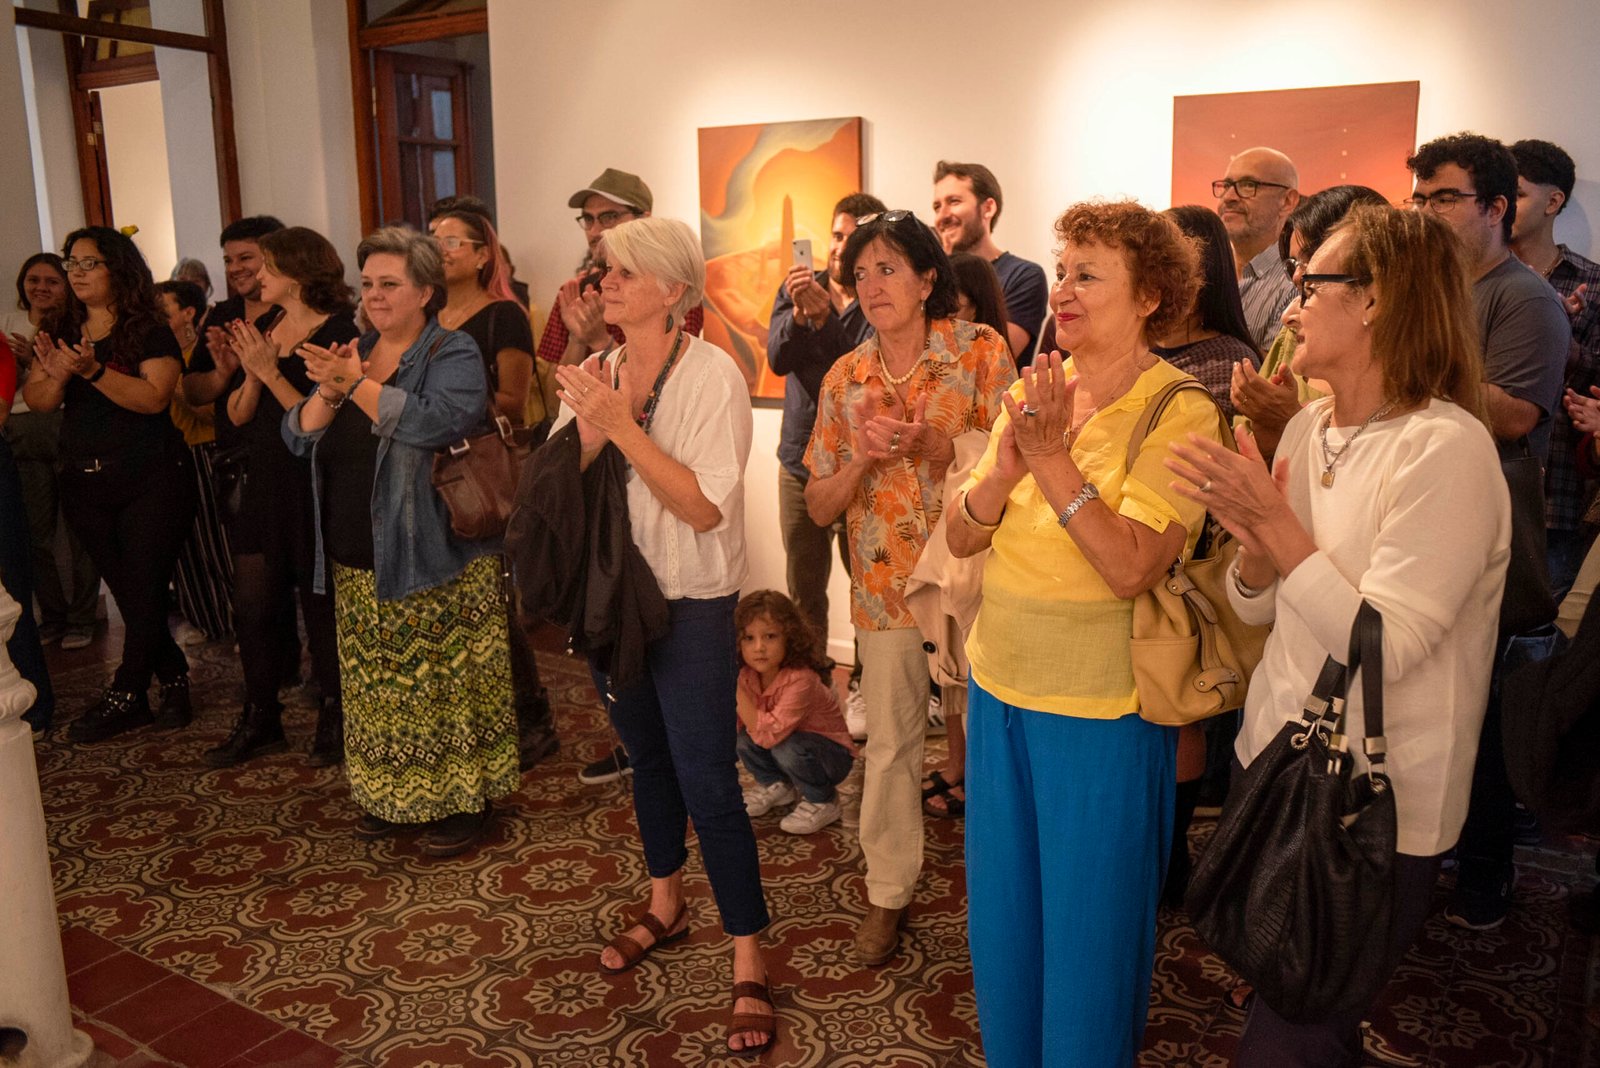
{"type": "Point", "coordinates": [798, 701]}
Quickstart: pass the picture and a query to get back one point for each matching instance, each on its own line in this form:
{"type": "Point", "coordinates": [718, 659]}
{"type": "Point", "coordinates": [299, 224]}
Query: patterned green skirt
{"type": "Point", "coordinates": [426, 682]}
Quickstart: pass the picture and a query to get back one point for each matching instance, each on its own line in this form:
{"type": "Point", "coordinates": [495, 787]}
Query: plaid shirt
{"type": "Point", "coordinates": [553, 342]}
{"type": "Point", "coordinates": [1566, 493]}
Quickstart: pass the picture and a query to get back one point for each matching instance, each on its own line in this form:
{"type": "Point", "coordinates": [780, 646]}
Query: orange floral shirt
{"type": "Point", "coordinates": [963, 373]}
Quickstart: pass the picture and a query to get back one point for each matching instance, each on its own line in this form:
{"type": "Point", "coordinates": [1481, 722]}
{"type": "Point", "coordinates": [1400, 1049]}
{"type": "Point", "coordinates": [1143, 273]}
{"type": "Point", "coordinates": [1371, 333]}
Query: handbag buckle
{"type": "Point", "coordinates": [504, 426]}
{"type": "Point", "coordinates": [460, 447]}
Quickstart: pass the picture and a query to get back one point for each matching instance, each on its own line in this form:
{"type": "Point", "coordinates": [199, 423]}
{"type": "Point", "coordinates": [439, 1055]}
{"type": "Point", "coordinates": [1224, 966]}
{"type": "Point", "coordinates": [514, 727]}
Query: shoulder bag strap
{"type": "Point", "coordinates": [1366, 647]}
{"type": "Point", "coordinates": [1157, 407]}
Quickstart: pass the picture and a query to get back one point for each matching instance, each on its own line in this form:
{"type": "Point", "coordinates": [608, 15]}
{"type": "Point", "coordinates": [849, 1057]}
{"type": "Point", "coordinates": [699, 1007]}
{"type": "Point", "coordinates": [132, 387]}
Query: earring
{"type": "Point", "coordinates": [668, 330]}
{"type": "Point", "coordinates": [1364, 322]}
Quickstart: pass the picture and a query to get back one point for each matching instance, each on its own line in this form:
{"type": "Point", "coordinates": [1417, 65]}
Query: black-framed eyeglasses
{"type": "Point", "coordinates": [1311, 284]}
{"type": "Point", "coordinates": [1245, 187]}
{"type": "Point", "coordinates": [1439, 199]}
{"type": "Point", "coordinates": [607, 219]}
{"type": "Point", "coordinates": [88, 263]}
{"type": "Point", "coordinates": [887, 216]}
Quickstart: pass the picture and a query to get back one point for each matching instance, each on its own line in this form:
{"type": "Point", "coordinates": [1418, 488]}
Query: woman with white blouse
{"type": "Point", "coordinates": [678, 409]}
{"type": "Point", "coordinates": [1389, 491]}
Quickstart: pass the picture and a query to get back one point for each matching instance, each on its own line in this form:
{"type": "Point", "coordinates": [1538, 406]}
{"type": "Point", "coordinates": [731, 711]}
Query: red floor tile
{"type": "Point", "coordinates": [81, 947]}
{"type": "Point", "coordinates": [217, 1036]}
{"type": "Point", "coordinates": [110, 980]}
{"type": "Point", "coordinates": [291, 1049]}
{"type": "Point", "coordinates": [158, 1009]}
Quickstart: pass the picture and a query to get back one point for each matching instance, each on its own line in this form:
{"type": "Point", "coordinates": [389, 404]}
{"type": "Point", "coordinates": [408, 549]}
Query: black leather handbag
{"type": "Point", "coordinates": [1296, 890]}
{"type": "Point", "coordinates": [1528, 603]}
{"type": "Point", "coordinates": [230, 471]}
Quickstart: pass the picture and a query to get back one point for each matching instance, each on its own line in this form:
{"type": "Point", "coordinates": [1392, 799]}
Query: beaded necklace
{"type": "Point", "coordinates": [648, 415]}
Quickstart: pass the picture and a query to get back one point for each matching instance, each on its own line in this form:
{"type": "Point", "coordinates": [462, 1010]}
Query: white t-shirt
{"type": "Point", "coordinates": [1418, 523]}
{"type": "Point", "coordinates": [703, 421]}
{"type": "Point", "coordinates": [16, 321]}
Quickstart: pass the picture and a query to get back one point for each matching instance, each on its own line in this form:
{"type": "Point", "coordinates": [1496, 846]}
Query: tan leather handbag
{"type": "Point", "coordinates": [1192, 655]}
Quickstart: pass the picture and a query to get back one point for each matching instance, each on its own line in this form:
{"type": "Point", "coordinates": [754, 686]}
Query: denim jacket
{"type": "Point", "coordinates": [431, 402]}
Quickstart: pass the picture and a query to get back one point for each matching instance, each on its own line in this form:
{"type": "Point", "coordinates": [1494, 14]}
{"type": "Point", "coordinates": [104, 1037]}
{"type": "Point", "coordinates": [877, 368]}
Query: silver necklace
{"type": "Point", "coordinates": [1329, 457]}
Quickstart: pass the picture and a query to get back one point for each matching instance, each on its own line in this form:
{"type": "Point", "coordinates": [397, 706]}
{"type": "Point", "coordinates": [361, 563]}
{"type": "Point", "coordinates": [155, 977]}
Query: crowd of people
{"type": "Point", "coordinates": [1372, 374]}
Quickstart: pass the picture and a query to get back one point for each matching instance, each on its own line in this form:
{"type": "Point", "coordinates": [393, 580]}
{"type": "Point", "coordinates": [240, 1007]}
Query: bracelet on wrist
{"type": "Point", "coordinates": [99, 373]}
{"type": "Point", "coordinates": [966, 513]}
{"type": "Point", "coordinates": [334, 402]}
{"type": "Point", "coordinates": [1245, 590]}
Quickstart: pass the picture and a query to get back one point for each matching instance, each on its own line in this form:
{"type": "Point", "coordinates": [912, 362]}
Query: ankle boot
{"type": "Point", "coordinates": [258, 732]}
{"type": "Point", "coordinates": [115, 712]}
{"type": "Point", "coordinates": [175, 709]}
{"type": "Point", "coordinates": [1178, 864]}
{"type": "Point", "coordinates": [327, 747]}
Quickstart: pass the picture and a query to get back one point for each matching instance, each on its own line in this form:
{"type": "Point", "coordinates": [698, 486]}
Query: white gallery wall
{"type": "Point", "coordinates": [1063, 101]}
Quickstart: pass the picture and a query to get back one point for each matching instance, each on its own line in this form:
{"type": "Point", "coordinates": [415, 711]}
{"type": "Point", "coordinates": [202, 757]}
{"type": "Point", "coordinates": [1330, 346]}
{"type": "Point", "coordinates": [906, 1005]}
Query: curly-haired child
{"type": "Point", "coordinates": [792, 736]}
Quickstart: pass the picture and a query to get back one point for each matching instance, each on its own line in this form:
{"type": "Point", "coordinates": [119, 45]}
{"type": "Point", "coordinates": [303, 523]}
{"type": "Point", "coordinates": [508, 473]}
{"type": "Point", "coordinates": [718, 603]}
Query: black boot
{"type": "Point", "coordinates": [175, 710]}
{"type": "Point", "coordinates": [115, 712]}
{"type": "Point", "coordinates": [1178, 864]}
{"type": "Point", "coordinates": [536, 735]}
{"type": "Point", "coordinates": [258, 732]}
{"type": "Point", "coordinates": [327, 748]}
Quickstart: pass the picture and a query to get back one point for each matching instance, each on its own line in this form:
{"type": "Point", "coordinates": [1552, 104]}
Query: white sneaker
{"type": "Point", "coordinates": [760, 800]}
{"type": "Point", "coordinates": [809, 816]}
{"type": "Point", "coordinates": [855, 713]}
{"type": "Point", "coordinates": [935, 714]}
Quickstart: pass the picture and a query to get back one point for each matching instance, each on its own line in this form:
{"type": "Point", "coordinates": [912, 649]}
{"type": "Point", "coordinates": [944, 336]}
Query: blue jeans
{"type": "Point", "coordinates": [678, 724]}
{"type": "Point", "coordinates": [1069, 825]}
{"type": "Point", "coordinates": [813, 763]}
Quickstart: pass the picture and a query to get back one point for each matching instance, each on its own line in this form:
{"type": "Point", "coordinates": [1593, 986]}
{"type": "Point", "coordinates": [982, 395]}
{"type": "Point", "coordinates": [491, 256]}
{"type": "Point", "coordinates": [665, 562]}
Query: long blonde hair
{"type": "Point", "coordinates": [1425, 332]}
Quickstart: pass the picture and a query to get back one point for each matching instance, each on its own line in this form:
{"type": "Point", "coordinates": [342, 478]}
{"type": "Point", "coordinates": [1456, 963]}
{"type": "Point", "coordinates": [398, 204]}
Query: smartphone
{"type": "Point", "coordinates": [802, 253]}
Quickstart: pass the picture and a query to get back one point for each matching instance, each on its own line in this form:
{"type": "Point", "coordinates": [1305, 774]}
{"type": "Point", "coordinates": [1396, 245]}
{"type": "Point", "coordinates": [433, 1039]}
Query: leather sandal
{"type": "Point", "coordinates": [936, 784]}
{"type": "Point", "coordinates": [765, 1023]}
{"type": "Point", "coordinates": [954, 807]}
{"type": "Point", "coordinates": [632, 952]}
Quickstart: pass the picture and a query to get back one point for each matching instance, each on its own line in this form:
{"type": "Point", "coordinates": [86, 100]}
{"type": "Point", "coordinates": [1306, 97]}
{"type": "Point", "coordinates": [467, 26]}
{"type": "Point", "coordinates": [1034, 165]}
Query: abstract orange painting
{"type": "Point", "coordinates": [761, 187]}
{"type": "Point", "coordinates": [1345, 134]}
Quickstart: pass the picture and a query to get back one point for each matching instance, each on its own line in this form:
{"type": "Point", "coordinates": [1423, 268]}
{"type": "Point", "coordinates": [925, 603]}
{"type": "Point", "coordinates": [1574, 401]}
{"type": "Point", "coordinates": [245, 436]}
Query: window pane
{"type": "Point", "coordinates": [443, 114]}
{"type": "Point", "coordinates": [444, 172]}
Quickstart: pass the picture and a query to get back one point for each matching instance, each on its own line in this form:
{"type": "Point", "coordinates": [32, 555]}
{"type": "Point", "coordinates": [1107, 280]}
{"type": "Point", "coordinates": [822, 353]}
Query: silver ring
{"type": "Point", "coordinates": [1029, 410]}
{"type": "Point", "coordinates": [894, 442]}
{"type": "Point", "coordinates": [1207, 487]}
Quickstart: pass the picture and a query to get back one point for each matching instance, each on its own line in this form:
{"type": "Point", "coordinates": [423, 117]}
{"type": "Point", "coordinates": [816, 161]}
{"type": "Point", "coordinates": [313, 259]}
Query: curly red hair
{"type": "Point", "coordinates": [1163, 261]}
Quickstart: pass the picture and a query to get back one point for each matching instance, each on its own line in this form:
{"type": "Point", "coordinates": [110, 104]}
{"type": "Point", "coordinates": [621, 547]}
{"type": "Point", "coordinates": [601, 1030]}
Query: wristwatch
{"type": "Point", "coordinates": [1089, 492]}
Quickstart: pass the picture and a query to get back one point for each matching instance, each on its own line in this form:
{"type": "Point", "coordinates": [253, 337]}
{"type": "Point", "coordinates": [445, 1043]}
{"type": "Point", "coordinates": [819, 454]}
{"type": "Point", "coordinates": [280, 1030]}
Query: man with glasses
{"type": "Point", "coordinates": [966, 206]}
{"type": "Point", "coordinates": [576, 328]}
{"type": "Point", "coordinates": [1470, 182]}
{"type": "Point", "coordinates": [1255, 198]}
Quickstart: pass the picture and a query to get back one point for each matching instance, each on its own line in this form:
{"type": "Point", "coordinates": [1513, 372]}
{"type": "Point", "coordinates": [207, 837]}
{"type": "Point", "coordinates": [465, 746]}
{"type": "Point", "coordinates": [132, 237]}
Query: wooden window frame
{"type": "Point", "coordinates": [214, 43]}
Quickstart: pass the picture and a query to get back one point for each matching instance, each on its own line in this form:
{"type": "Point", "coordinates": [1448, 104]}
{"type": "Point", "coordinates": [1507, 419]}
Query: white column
{"type": "Point", "coordinates": [33, 977]}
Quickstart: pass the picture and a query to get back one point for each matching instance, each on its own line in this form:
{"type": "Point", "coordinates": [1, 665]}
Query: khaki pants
{"type": "Point", "coordinates": [894, 681]}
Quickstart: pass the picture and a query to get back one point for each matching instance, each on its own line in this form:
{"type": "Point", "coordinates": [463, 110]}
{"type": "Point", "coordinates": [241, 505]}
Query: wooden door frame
{"type": "Point", "coordinates": [389, 181]}
{"type": "Point", "coordinates": [214, 43]}
{"type": "Point", "coordinates": [363, 40]}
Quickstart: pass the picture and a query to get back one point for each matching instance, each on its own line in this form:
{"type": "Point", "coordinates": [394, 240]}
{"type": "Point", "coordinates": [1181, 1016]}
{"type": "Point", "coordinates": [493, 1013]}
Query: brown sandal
{"type": "Point", "coordinates": [632, 952]}
{"type": "Point", "coordinates": [765, 1023]}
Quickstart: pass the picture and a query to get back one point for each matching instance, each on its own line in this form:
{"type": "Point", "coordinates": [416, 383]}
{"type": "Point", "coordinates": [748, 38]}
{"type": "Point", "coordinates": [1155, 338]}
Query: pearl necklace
{"type": "Point", "coordinates": [1329, 457]}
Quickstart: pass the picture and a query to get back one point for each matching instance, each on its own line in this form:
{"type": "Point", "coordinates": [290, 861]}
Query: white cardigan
{"type": "Point", "coordinates": [1418, 523]}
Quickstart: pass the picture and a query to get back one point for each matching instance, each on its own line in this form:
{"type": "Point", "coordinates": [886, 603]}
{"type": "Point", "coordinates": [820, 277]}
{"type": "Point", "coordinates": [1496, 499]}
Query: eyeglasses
{"type": "Point", "coordinates": [88, 263]}
{"type": "Point", "coordinates": [606, 219]}
{"type": "Point", "coordinates": [1438, 200]}
{"type": "Point", "coordinates": [887, 216]}
{"type": "Point", "coordinates": [1245, 187]}
{"type": "Point", "coordinates": [1290, 266]}
{"type": "Point", "coordinates": [452, 243]}
{"type": "Point", "coordinates": [1311, 284]}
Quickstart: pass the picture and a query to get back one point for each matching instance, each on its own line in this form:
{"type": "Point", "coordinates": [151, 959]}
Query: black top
{"type": "Point", "coordinates": [347, 461]}
{"type": "Point", "coordinates": [502, 324]}
{"type": "Point", "coordinates": [263, 434]}
{"type": "Point", "coordinates": [96, 427]}
{"type": "Point", "coordinates": [201, 361]}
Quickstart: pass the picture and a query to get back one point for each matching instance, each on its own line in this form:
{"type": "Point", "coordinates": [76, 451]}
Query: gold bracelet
{"type": "Point", "coordinates": [966, 513]}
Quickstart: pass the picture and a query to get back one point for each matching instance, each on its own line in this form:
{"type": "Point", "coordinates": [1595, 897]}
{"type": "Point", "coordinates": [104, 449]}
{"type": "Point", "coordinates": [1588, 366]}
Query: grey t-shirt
{"type": "Point", "coordinates": [1525, 334]}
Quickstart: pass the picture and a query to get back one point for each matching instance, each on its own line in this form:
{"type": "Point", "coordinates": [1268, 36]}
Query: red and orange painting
{"type": "Point", "coordinates": [1338, 135]}
{"type": "Point", "coordinates": [761, 187]}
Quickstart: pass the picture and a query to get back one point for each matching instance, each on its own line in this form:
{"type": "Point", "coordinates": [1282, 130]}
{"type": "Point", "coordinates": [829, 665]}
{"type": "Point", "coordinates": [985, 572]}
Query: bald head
{"type": "Point", "coordinates": [1254, 222]}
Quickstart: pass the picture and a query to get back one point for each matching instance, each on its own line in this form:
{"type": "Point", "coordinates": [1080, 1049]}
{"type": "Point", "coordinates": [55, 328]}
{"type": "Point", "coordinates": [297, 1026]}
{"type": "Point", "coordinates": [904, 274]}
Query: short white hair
{"type": "Point", "coordinates": [663, 249]}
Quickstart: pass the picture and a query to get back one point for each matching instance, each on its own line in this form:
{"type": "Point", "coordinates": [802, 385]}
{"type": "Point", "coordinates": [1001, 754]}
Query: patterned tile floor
{"type": "Point", "coordinates": [230, 919]}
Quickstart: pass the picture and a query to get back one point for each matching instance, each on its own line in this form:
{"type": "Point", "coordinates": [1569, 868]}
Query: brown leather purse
{"type": "Point", "coordinates": [477, 477]}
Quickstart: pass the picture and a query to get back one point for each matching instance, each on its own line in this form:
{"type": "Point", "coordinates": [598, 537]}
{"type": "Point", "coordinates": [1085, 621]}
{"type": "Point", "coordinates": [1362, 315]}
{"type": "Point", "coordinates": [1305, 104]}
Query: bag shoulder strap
{"type": "Point", "coordinates": [1366, 652]}
{"type": "Point", "coordinates": [1157, 407]}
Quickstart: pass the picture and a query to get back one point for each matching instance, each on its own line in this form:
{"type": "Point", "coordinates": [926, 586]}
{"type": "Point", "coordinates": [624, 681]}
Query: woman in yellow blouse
{"type": "Point", "coordinates": [1069, 792]}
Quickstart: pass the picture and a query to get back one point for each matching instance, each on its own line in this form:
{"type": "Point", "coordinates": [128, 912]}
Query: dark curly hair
{"type": "Point", "coordinates": [1491, 164]}
{"type": "Point", "coordinates": [916, 241]}
{"type": "Point", "coordinates": [133, 293]}
{"type": "Point", "coordinates": [1543, 163]}
{"type": "Point", "coordinates": [802, 645]}
{"type": "Point", "coordinates": [302, 254]}
{"type": "Point", "coordinates": [1163, 261]}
